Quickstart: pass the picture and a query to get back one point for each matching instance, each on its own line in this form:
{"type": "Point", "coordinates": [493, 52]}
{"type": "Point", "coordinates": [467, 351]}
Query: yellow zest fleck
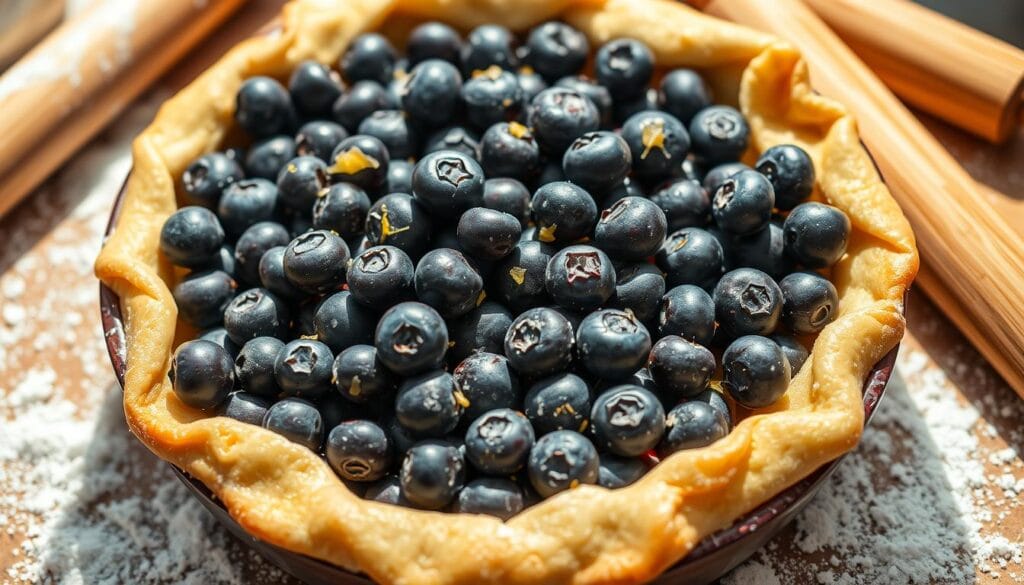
{"type": "Point", "coordinates": [323, 192]}
{"type": "Point", "coordinates": [583, 425]}
{"type": "Point", "coordinates": [400, 74]}
{"type": "Point", "coordinates": [451, 344]}
{"type": "Point", "coordinates": [351, 161]}
{"type": "Point", "coordinates": [292, 168]}
{"type": "Point", "coordinates": [563, 408]}
{"type": "Point", "coordinates": [313, 337]}
{"type": "Point", "coordinates": [480, 298]}
{"type": "Point", "coordinates": [357, 386]}
{"type": "Point", "coordinates": [507, 102]}
{"type": "Point", "coordinates": [518, 274]}
{"type": "Point", "coordinates": [493, 72]}
{"type": "Point", "coordinates": [682, 242]}
{"type": "Point", "coordinates": [461, 399]}
{"type": "Point", "coordinates": [574, 484]}
{"type": "Point", "coordinates": [547, 233]}
{"type": "Point", "coordinates": [653, 136]}
{"type": "Point", "coordinates": [517, 130]}
{"type": "Point", "coordinates": [526, 70]}
{"type": "Point", "coordinates": [386, 229]}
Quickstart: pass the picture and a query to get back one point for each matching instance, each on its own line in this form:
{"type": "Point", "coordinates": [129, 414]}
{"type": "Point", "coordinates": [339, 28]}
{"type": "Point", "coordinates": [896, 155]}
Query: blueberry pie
{"type": "Point", "coordinates": [532, 291]}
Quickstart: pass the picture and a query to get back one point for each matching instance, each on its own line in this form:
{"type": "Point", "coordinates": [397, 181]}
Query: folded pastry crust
{"type": "Point", "coordinates": [286, 495]}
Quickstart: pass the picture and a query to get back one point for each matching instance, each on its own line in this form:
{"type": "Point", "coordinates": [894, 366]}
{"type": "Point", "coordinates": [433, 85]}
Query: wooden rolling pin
{"type": "Point", "coordinates": [83, 75]}
{"type": "Point", "coordinates": [967, 248]}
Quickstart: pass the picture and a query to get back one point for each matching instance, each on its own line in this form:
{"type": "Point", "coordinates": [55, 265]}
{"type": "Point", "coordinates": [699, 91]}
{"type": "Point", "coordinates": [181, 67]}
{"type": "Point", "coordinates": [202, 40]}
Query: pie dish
{"type": "Point", "coordinates": [286, 496]}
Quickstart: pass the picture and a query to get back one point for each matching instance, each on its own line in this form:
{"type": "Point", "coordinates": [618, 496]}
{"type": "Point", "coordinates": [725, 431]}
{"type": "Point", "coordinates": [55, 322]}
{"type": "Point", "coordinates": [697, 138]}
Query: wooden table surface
{"type": "Point", "coordinates": [50, 325]}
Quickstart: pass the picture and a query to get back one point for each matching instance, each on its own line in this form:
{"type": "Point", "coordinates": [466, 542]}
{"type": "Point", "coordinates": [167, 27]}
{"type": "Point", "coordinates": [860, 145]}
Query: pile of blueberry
{"type": "Point", "coordinates": [473, 277]}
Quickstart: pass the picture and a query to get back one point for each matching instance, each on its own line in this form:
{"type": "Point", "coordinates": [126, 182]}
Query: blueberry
{"type": "Point", "coordinates": [401, 438]}
{"type": "Point", "coordinates": [627, 420]}
{"type": "Point", "coordinates": [303, 368]}
{"type": "Point", "coordinates": [487, 45]}
{"type": "Point", "coordinates": [433, 40]}
{"type": "Point", "coordinates": [718, 175]}
{"type": "Point", "coordinates": [457, 138]}
{"type": "Point", "coordinates": [717, 401]}
{"type": "Point", "coordinates": [482, 329]}
{"type": "Point", "coordinates": [316, 261]}
{"type": "Point", "coordinates": [254, 366]}
{"type": "Point", "coordinates": [448, 182]}
{"type": "Point", "coordinates": [494, 496]}
{"type": "Point", "coordinates": [298, 421]}
{"type": "Point", "coordinates": [300, 182]}
{"type": "Point", "coordinates": [561, 401]}
{"type": "Point", "coordinates": [486, 382]}
{"type": "Point", "coordinates": [612, 344]}
{"type": "Point", "coordinates": [633, 228]}
{"type": "Point", "coordinates": [625, 67]}
{"type": "Point", "coordinates": [558, 116]}
{"type": "Point", "coordinates": [358, 450]}
{"type": "Point", "coordinates": [747, 302]}
{"type": "Point", "coordinates": [680, 368]}
{"type": "Point", "coordinates": [564, 212]}
{"type": "Point", "coordinates": [638, 289]}
{"type": "Point", "coordinates": [691, 425]}
{"type": "Point", "coordinates": [791, 172]}
{"type": "Point", "coordinates": [191, 237]}
{"type": "Point", "coordinates": [597, 93]}
{"type": "Point", "coordinates": [245, 407]}
{"type": "Point", "coordinates": [381, 276]}
{"type": "Point", "coordinates": [756, 372]}
{"type": "Point", "coordinates": [560, 461]}
{"type": "Point", "coordinates": [267, 157]}
{"type": "Point", "coordinates": [263, 107]}
{"type": "Point", "coordinates": [360, 376]}
{"type": "Point", "coordinates": [399, 177]}
{"type": "Point", "coordinates": [498, 441]}
{"type": "Point", "coordinates": [201, 297]}
{"type": "Point", "coordinates": [314, 88]}
{"type": "Point", "coordinates": [341, 322]}
{"type": "Point", "coordinates": [490, 96]}
{"type": "Point", "coordinates": [685, 203]}
{"type": "Point", "coordinates": [743, 204]}
{"type": "Point", "coordinates": [256, 312]}
{"type": "Point", "coordinates": [510, 150]}
{"type": "Point", "coordinates": [361, 100]}
{"type": "Point", "coordinates": [411, 338]}
{"type": "Point", "coordinates": [659, 144]}
{"type": "Point", "coordinates": [446, 281]}
{"type": "Point", "coordinates": [810, 302]}
{"type": "Point", "coordinates": [219, 335]}
{"type": "Point", "coordinates": [795, 352]}
{"type": "Point", "coordinates": [208, 175]}
{"type": "Point", "coordinates": [691, 256]}
{"type": "Point", "coordinates": [581, 278]}
{"type": "Point", "coordinates": [531, 83]}
{"type": "Point", "coordinates": [555, 50]}
{"type": "Point", "coordinates": [245, 203]}
{"type": "Point", "coordinates": [393, 129]}
{"type": "Point", "coordinates": [618, 472]}
{"type": "Point", "coordinates": [488, 234]}
{"type": "Point", "coordinates": [764, 250]}
{"type": "Point", "coordinates": [719, 134]}
{"type": "Point", "coordinates": [341, 208]}
{"type": "Point", "coordinates": [202, 374]}
{"type": "Point", "coordinates": [361, 160]}
{"type": "Point", "coordinates": [816, 234]}
{"type": "Point", "coordinates": [370, 57]}
{"type": "Point", "coordinates": [254, 242]}
{"type": "Point", "coordinates": [432, 474]}
{"type": "Point", "coordinates": [684, 93]}
{"type": "Point", "coordinates": [518, 280]}
{"type": "Point", "coordinates": [539, 342]}
{"type": "Point", "coordinates": [509, 196]}
{"type": "Point", "coordinates": [387, 491]}
{"type": "Point", "coordinates": [430, 95]}
{"type": "Point", "coordinates": [597, 161]}
{"type": "Point", "coordinates": [689, 312]}
{"type": "Point", "coordinates": [399, 220]}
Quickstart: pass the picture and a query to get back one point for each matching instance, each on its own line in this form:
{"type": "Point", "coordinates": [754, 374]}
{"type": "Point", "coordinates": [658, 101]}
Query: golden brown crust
{"type": "Point", "coordinates": [286, 495]}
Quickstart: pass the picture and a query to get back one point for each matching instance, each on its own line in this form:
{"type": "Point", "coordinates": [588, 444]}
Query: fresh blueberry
{"type": "Point", "coordinates": [756, 372]}
{"type": "Point", "coordinates": [597, 93]}
{"type": "Point", "coordinates": [267, 157]}
{"type": "Point", "coordinates": [432, 474]}
{"type": "Point", "coordinates": [680, 368]}
{"type": "Point", "coordinates": [399, 176]}
{"type": "Point", "coordinates": [342, 209]}
{"type": "Point", "coordinates": [254, 366]}
{"type": "Point", "coordinates": [691, 256]}
{"type": "Point", "coordinates": [530, 82]}
{"type": "Point", "coordinates": [791, 172]}
{"type": "Point", "coordinates": [691, 425]}
{"type": "Point", "coordinates": [245, 203]}
{"type": "Point", "coordinates": [202, 374]}
{"type": "Point", "coordinates": [558, 116]}
{"type": "Point", "coordinates": [430, 95]}
{"type": "Point", "coordinates": [564, 212]}
{"type": "Point", "coordinates": [488, 234]}
{"type": "Point", "coordinates": [360, 376]}
{"type": "Point", "coordinates": [448, 182]}
{"type": "Point", "coordinates": [487, 45]}
{"type": "Point", "coordinates": [256, 312]}
{"type": "Point", "coordinates": [638, 289]}
{"type": "Point", "coordinates": [361, 160]}
{"type": "Point", "coordinates": [816, 234]}
{"type": "Point", "coordinates": [245, 407]}
{"type": "Point", "coordinates": [314, 89]}
{"type": "Point", "coordinates": [381, 276]}
{"type": "Point", "coordinates": [358, 450]}
{"type": "Point", "coordinates": [580, 278]}
{"type": "Point", "coordinates": [201, 297]}
{"type": "Point", "coordinates": [717, 401]}
{"type": "Point", "coordinates": [539, 342]}
{"type": "Point", "coordinates": [300, 181]}
{"type": "Point", "coordinates": [795, 352]}
{"type": "Point", "coordinates": [612, 344]}
{"type": "Point", "coordinates": [684, 93]}
{"type": "Point", "coordinates": [316, 261]}
{"type": "Point", "coordinates": [341, 322]}
{"type": "Point", "coordinates": [561, 401]}
{"type": "Point", "coordinates": [743, 204]}
{"type": "Point", "coordinates": [399, 220]}
{"type": "Point", "coordinates": [518, 280]}
{"type": "Point", "coordinates": [207, 176]}
{"type": "Point", "coordinates": [490, 96]}
{"type": "Point", "coordinates": [297, 420]}
{"type": "Point", "coordinates": [254, 242]}
{"type": "Point", "coordinates": [411, 338]}
{"type": "Point", "coordinates": [627, 420]}
{"type": "Point", "coordinates": [264, 108]}
{"type": "Point", "coordinates": [303, 368]}
{"type": "Point", "coordinates": [560, 461]}
{"type": "Point", "coordinates": [809, 302]}
{"type": "Point", "coordinates": [219, 335]}
{"type": "Point", "coordinates": [361, 100]}
{"type": "Point", "coordinates": [719, 134]}
{"type": "Point", "coordinates": [633, 229]}
{"type": "Point", "coordinates": [498, 441]}
{"type": "Point", "coordinates": [618, 472]}
{"type": "Point", "coordinates": [509, 196]}
{"type": "Point", "coordinates": [685, 203]}
{"type": "Point", "coordinates": [597, 161]}
{"type": "Point", "coordinates": [625, 67]}
{"type": "Point", "coordinates": [370, 57]}
{"type": "Point", "coordinates": [494, 496]}
{"type": "Point", "coordinates": [718, 175]}
{"type": "Point", "coordinates": [192, 237]}
{"type": "Point", "coordinates": [457, 138]}
{"type": "Point", "coordinates": [659, 143]}
{"type": "Point", "coordinates": [433, 40]}
{"type": "Point", "coordinates": [764, 250]}
{"type": "Point", "coordinates": [319, 138]}
{"type": "Point", "coordinates": [747, 302]}
{"type": "Point", "coordinates": [486, 382]}
{"type": "Point", "coordinates": [555, 50]}
{"type": "Point", "coordinates": [510, 150]}
{"type": "Point", "coordinates": [448, 282]}
{"type": "Point", "coordinates": [482, 329]}
{"type": "Point", "coordinates": [393, 129]}
{"type": "Point", "coordinates": [689, 312]}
